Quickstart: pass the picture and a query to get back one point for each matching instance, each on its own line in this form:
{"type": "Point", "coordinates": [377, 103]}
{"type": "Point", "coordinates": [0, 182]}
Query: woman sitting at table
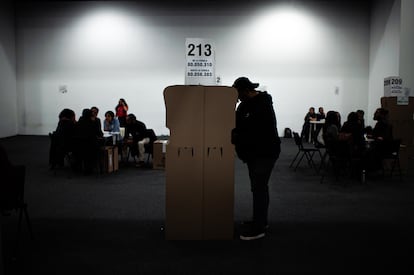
{"type": "Point", "coordinates": [331, 130]}
{"type": "Point", "coordinates": [382, 137]}
{"type": "Point", "coordinates": [87, 140]}
{"type": "Point", "coordinates": [353, 133]}
{"type": "Point", "coordinates": [111, 123]}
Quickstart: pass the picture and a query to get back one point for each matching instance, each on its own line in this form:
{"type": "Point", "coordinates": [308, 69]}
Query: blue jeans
{"type": "Point", "coordinates": [260, 170]}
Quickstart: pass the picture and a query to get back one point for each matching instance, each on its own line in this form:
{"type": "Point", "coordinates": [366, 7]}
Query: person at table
{"type": "Point", "coordinates": [353, 133]}
{"type": "Point", "coordinates": [138, 131]}
{"type": "Point", "coordinates": [121, 111]}
{"type": "Point", "coordinates": [382, 136]}
{"type": "Point", "coordinates": [382, 130]}
{"type": "Point", "coordinates": [111, 123]}
{"type": "Point", "coordinates": [310, 116]}
{"type": "Point", "coordinates": [331, 130]}
{"type": "Point", "coordinates": [62, 138]}
{"type": "Point", "coordinates": [321, 114]}
{"type": "Point", "coordinates": [95, 118]}
{"type": "Point", "coordinates": [361, 119]}
{"type": "Point", "coordinates": [87, 140]}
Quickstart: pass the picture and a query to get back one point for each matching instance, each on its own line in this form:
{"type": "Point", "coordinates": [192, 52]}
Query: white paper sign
{"type": "Point", "coordinates": [405, 98]}
{"type": "Point", "coordinates": [393, 86]}
{"type": "Point", "coordinates": [200, 62]}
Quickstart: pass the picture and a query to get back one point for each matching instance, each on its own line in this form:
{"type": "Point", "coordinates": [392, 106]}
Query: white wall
{"type": "Point", "coordinates": [8, 100]}
{"type": "Point", "coordinates": [407, 43]}
{"type": "Point", "coordinates": [308, 55]}
{"type": "Point", "coordinates": [384, 50]}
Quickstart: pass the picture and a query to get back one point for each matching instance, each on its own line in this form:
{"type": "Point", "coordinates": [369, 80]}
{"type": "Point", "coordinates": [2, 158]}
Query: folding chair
{"type": "Point", "coordinates": [12, 195]}
{"type": "Point", "coordinates": [303, 151]}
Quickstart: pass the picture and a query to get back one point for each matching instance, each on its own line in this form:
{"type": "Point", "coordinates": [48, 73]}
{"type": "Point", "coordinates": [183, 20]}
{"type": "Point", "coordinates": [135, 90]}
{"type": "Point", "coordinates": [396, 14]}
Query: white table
{"type": "Point", "coordinates": [312, 127]}
{"type": "Point", "coordinates": [115, 136]}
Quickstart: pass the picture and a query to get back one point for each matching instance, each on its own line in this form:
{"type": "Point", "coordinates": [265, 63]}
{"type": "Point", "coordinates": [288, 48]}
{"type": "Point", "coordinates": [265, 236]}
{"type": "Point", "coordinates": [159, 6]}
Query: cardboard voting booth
{"type": "Point", "coordinates": [200, 162]}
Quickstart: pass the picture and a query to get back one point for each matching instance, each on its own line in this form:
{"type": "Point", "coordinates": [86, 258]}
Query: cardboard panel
{"type": "Point", "coordinates": [183, 194]}
{"type": "Point", "coordinates": [218, 188]}
{"type": "Point", "coordinates": [115, 158]}
{"type": "Point", "coordinates": [200, 162]}
{"type": "Point", "coordinates": [107, 161]}
{"type": "Point", "coordinates": [404, 130]}
{"type": "Point", "coordinates": [398, 112]}
{"type": "Point", "coordinates": [184, 162]}
{"type": "Point", "coordinates": [184, 115]}
{"type": "Point", "coordinates": [158, 155]}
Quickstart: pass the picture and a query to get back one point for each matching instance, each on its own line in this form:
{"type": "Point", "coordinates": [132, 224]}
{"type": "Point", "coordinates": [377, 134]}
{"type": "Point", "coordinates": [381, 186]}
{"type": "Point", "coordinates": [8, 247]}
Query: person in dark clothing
{"type": "Point", "coordinates": [257, 144]}
{"type": "Point", "coordinates": [97, 120]}
{"type": "Point", "coordinates": [87, 140]}
{"type": "Point", "coordinates": [62, 138]}
{"type": "Point", "coordinates": [310, 116]}
{"type": "Point", "coordinates": [354, 128]}
{"type": "Point", "coordinates": [138, 131]}
{"type": "Point", "coordinates": [382, 136]}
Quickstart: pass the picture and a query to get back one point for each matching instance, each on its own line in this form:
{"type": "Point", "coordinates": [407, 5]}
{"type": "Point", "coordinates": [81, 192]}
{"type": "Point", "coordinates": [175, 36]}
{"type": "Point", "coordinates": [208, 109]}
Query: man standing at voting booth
{"type": "Point", "coordinates": [257, 144]}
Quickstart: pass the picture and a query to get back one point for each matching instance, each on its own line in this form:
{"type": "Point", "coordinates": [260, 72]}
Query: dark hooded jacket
{"type": "Point", "coordinates": [256, 132]}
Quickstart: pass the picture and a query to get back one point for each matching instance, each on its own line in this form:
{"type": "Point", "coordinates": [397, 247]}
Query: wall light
{"type": "Point", "coordinates": [104, 32]}
{"type": "Point", "coordinates": [283, 31]}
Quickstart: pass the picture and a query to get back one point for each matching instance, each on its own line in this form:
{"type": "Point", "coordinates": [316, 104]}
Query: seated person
{"type": "Point", "coordinates": [96, 119]}
{"type": "Point", "coordinates": [354, 133]}
{"type": "Point", "coordinates": [311, 115]}
{"type": "Point", "coordinates": [321, 114]}
{"type": "Point", "coordinates": [87, 140]}
{"type": "Point", "coordinates": [382, 135]}
{"type": "Point", "coordinates": [61, 143]}
{"type": "Point", "coordinates": [111, 124]}
{"type": "Point", "coordinates": [331, 131]}
{"type": "Point", "coordinates": [138, 131]}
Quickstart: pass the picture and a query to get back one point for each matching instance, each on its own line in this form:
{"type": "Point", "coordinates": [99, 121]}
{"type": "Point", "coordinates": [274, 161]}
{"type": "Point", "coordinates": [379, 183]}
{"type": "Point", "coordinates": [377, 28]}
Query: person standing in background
{"type": "Point", "coordinates": [121, 111]}
{"type": "Point", "coordinates": [257, 144]}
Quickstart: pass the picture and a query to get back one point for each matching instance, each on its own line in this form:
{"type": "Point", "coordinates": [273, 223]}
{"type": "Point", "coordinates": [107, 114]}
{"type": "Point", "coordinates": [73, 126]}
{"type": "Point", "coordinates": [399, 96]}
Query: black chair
{"type": "Point", "coordinates": [12, 193]}
{"type": "Point", "coordinates": [342, 161]}
{"type": "Point", "coordinates": [393, 155]}
{"type": "Point", "coordinates": [303, 151]}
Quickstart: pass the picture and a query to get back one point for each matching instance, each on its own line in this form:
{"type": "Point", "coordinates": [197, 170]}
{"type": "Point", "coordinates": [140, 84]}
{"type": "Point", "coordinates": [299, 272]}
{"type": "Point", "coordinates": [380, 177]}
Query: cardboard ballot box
{"type": "Point", "coordinates": [158, 154]}
{"type": "Point", "coordinates": [200, 162]}
{"type": "Point", "coordinates": [109, 159]}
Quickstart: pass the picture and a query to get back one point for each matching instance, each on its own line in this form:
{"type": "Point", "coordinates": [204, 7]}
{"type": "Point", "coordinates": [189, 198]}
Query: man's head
{"type": "Point", "coordinates": [131, 118]}
{"type": "Point", "coordinates": [94, 111]}
{"type": "Point", "coordinates": [245, 87]}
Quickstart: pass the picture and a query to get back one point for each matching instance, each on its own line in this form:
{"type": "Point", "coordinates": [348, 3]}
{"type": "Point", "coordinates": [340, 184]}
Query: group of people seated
{"type": "Point", "coordinates": [82, 139]}
{"type": "Point", "coordinates": [353, 140]}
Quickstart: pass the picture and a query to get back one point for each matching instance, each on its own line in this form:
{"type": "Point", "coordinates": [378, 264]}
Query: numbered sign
{"type": "Point", "coordinates": [393, 86]}
{"type": "Point", "coordinates": [200, 62]}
